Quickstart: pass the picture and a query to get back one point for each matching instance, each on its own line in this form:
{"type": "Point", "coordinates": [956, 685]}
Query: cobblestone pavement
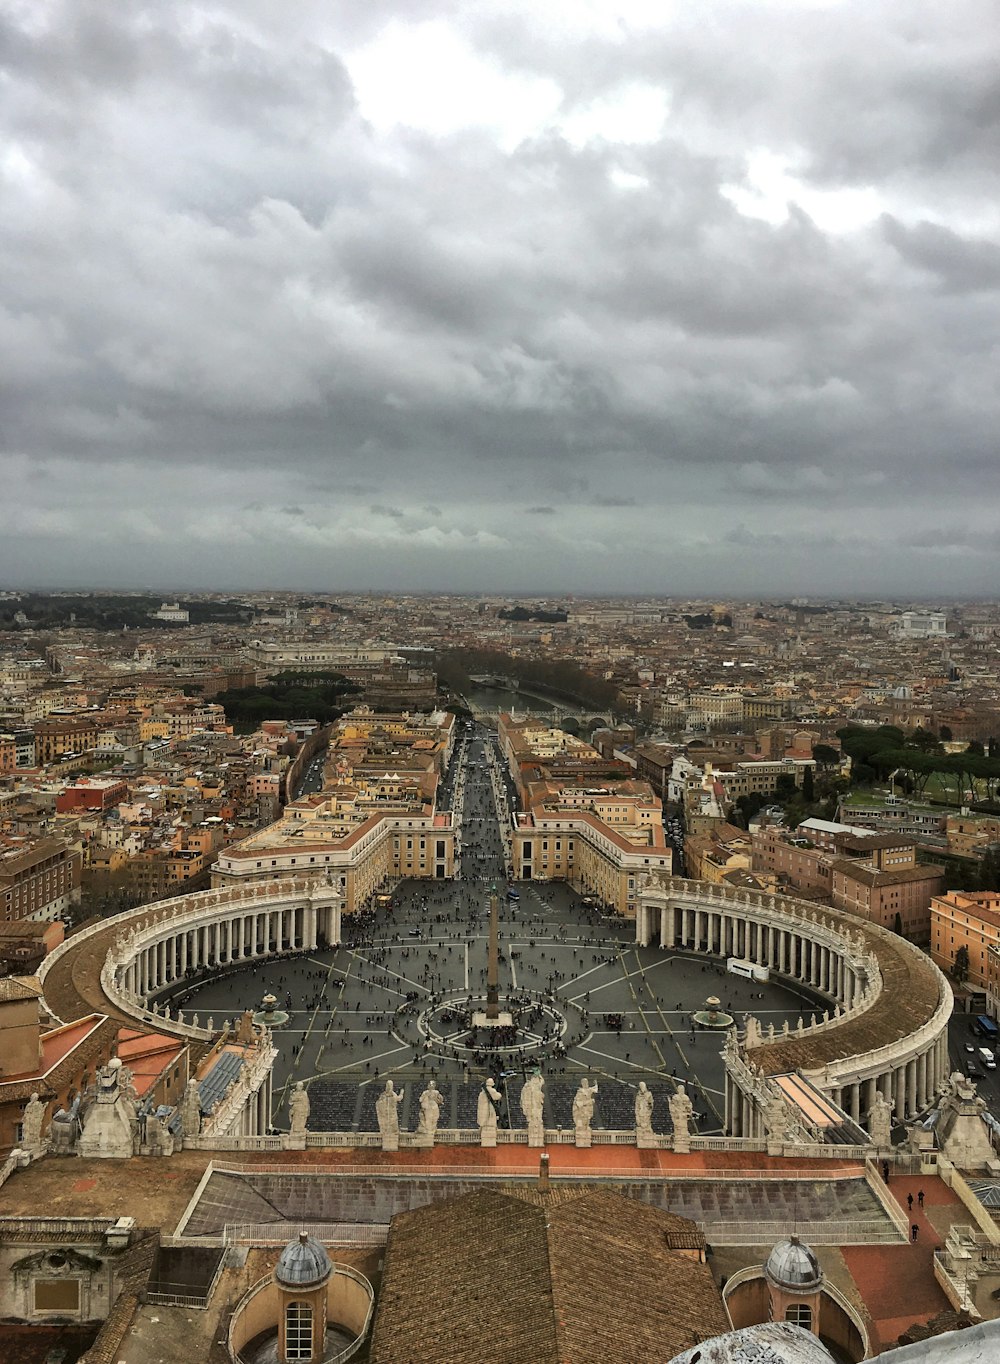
{"type": "Point", "coordinates": [392, 1000]}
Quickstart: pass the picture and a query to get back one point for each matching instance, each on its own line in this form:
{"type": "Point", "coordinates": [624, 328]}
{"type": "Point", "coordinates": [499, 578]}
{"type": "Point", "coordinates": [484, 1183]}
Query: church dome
{"type": "Point", "coordinates": [303, 1264]}
{"type": "Point", "coordinates": [792, 1264]}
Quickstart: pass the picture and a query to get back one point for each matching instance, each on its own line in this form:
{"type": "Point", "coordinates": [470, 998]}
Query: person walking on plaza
{"type": "Point", "coordinates": [913, 1232]}
{"type": "Point", "coordinates": [920, 1197]}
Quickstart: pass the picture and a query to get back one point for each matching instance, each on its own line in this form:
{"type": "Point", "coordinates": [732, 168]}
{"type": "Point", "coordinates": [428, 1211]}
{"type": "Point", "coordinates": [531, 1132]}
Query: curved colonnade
{"type": "Point", "coordinates": [154, 948]}
{"type": "Point", "coordinates": [886, 1028]}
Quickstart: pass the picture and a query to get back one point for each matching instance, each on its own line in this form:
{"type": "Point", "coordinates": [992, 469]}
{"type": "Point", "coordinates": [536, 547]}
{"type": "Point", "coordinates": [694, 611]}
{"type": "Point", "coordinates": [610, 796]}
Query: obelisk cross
{"type": "Point", "coordinates": [492, 993]}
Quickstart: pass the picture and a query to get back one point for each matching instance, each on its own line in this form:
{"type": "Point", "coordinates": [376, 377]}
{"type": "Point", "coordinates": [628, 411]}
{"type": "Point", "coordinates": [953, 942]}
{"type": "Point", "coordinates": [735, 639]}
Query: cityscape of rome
{"type": "Point", "coordinates": [350, 941]}
{"type": "Point", "coordinates": [499, 682]}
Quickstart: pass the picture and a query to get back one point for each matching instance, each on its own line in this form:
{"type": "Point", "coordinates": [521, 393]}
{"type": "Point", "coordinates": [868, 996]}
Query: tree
{"type": "Point", "coordinates": [808, 787]}
{"type": "Point", "coordinates": [944, 734]}
{"type": "Point", "coordinates": [960, 970]}
{"type": "Point", "coordinates": [826, 755]}
{"type": "Point", "coordinates": [897, 923]}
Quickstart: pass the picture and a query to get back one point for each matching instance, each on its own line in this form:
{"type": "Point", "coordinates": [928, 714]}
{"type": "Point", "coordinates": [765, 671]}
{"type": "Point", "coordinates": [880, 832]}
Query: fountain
{"type": "Point", "coordinates": [269, 1014]}
{"type": "Point", "coordinates": [711, 1015]}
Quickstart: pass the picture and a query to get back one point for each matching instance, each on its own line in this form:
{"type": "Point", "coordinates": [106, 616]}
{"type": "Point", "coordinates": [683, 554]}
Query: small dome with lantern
{"type": "Point", "coordinates": [303, 1264]}
{"type": "Point", "coordinates": [792, 1265]}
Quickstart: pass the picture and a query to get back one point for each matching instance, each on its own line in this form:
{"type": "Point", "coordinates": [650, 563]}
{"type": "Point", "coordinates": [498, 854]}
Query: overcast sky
{"type": "Point", "coordinates": [510, 295]}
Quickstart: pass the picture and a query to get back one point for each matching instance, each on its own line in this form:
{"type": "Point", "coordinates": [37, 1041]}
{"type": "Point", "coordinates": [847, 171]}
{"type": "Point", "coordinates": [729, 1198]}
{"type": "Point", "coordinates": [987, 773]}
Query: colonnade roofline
{"type": "Point", "coordinates": [76, 979]}
{"type": "Point", "coordinates": [895, 1001]}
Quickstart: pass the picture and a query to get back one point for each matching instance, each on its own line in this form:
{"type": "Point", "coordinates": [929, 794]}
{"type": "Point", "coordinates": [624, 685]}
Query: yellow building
{"type": "Point", "coordinates": [969, 919]}
{"type": "Point", "coordinates": [374, 824]}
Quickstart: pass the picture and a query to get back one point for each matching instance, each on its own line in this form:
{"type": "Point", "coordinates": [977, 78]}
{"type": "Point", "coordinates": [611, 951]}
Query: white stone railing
{"type": "Point", "coordinates": [328, 1233]}
{"type": "Point", "coordinates": [470, 1136]}
{"type": "Point", "coordinates": [850, 1232]}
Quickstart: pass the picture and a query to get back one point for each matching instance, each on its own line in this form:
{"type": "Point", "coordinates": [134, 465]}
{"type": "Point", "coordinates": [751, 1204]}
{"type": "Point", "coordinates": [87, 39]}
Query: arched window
{"type": "Point", "coordinates": [298, 1331]}
{"type": "Point", "coordinates": [800, 1314]}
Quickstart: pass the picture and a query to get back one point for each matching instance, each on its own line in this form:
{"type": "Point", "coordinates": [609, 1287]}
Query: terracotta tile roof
{"type": "Point", "coordinates": [13, 988]}
{"type": "Point", "coordinates": [571, 1276]}
{"type": "Point", "coordinates": [134, 1273]}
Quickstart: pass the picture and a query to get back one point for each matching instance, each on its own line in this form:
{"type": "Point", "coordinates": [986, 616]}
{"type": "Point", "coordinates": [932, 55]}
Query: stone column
{"type": "Point", "coordinates": [899, 1085]}
{"type": "Point", "coordinates": [856, 1102]}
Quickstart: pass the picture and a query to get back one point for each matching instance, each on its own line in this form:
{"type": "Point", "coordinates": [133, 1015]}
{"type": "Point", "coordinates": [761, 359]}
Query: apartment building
{"type": "Point", "coordinates": [969, 919]}
{"type": "Point", "coordinates": [875, 877]}
{"type": "Point", "coordinates": [39, 878]}
{"type": "Point", "coordinates": [374, 824]}
{"type": "Point", "coordinates": [556, 841]}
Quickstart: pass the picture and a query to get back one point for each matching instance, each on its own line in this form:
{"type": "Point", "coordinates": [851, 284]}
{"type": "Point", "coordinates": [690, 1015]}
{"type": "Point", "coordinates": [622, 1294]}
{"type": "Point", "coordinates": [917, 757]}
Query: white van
{"type": "Point", "coordinates": [987, 1058]}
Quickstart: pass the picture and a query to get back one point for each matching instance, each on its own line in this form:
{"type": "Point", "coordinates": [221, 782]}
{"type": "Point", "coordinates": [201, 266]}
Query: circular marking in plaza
{"type": "Point", "coordinates": [456, 1027]}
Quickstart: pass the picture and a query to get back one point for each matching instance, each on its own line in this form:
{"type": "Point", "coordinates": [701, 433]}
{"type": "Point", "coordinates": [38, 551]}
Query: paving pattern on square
{"type": "Point", "coordinates": [391, 1001]}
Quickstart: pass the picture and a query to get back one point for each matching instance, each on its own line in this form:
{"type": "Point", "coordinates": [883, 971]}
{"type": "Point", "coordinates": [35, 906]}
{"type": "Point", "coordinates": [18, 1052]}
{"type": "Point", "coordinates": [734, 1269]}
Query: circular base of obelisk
{"type": "Point", "coordinates": [502, 1020]}
{"type": "Point", "coordinates": [457, 1027]}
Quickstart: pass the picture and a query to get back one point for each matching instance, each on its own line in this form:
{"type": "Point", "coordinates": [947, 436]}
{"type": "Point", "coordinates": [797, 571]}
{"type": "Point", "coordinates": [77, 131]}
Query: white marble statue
{"type": "Point", "coordinates": [298, 1109]}
{"type": "Point", "coordinates": [191, 1109]}
{"type": "Point", "coordinates": [486, 1113]}
{"type": "Point", "coordinates": [387, 1113]}
{"type": "Point", "coordinates": [532, 1106]}
{"type": "Point", "coordinates": [430, 1112]}
{"type": "Point", "coordinates": [777, 1121]}
{"type": "Point", "coordinates": [681, 1111]}
{"type": "Point", "coordinates": [643, 1111]}
{"type": "Point", "coordinates": [31, 1124]}
{"type": "Point", "coordinates": [583, 1111]}
{"type": "Point", "coordinates": [880, 1121]}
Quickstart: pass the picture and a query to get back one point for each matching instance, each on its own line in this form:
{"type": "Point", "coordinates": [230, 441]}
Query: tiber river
{"type": "Point", "coordinates": [500, 698]}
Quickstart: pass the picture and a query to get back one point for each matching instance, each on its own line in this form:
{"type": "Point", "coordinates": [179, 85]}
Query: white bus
{"type": "Point", "coordinates": [748, 969]}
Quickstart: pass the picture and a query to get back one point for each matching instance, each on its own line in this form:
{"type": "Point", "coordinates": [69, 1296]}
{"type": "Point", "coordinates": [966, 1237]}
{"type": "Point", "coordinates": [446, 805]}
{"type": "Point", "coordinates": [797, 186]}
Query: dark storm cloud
{"type": "Point", "coordinates": [251, 313]}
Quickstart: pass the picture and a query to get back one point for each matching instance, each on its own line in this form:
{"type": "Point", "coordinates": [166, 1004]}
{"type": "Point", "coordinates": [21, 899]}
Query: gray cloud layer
{"type": "Point", "coordinates": [281, 306]}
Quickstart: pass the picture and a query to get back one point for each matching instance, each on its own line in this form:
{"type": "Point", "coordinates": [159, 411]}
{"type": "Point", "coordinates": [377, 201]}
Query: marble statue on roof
{"type": "Point", "coordinates": [430, 1114]}
{"type": "Point", "coordinates": [880, 1120]}
{"type": "Point", "coordinates": [486, 1113]}
{"type": "Point", "coordinates": [583, 1111]}
{"type": "Point", "coordinates": [644, 1133]}
{"type": "Point", "coordinates": [681, 1112]}
{"type": "Point", "coordinates": [31, 1124]}
{"type": "Point", "coordinates": [298, 1109]}
{"type": "Point", "coordinates": [532, 1106]}
{"type": "Point", "coordinates": [387, 1113]}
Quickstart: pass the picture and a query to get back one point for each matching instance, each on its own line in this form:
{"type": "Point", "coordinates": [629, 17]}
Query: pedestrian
{"type": "Point", "coordinates": [909, 1201]}
{"type": "Point", "coordinates": [913, 1232]}
{"type": "Point", "coordinates": [885, 1171]}
{"type": "Point", "coordinates": [920, 1197]}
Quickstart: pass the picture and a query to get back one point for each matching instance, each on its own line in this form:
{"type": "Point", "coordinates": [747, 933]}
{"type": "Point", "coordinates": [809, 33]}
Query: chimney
{"type": "Point", "coordinates": [543, 1172]}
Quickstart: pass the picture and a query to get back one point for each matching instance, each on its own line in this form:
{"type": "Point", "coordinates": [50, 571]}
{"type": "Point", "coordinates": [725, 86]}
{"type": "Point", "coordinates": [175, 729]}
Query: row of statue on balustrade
{"type": "Point", "coordinates": [532, 1102]}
